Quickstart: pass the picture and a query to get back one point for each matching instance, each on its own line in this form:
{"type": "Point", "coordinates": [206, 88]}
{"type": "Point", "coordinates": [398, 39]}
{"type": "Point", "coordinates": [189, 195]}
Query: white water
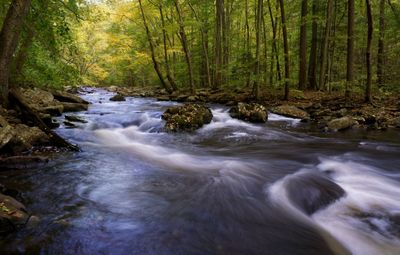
{"type": "Point", "coordinates": [363, 220]}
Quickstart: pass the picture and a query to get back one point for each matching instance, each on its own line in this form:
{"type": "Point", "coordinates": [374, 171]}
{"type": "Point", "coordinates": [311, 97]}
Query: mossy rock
{"type": "Point", "coordinates": [188, 117]}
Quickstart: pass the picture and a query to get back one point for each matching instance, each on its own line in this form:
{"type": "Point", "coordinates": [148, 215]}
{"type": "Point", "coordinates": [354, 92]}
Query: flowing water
{"type": "Point", "coordinates": [228, 188]}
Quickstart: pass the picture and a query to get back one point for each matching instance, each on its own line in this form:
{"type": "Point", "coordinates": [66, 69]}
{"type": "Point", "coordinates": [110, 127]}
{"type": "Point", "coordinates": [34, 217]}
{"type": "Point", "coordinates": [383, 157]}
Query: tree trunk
{"type": "Point", "coordinates": [285, 49]}
{"type": "Point", "coordinates": [274, 38]}
{"type": "Point", "coordinates": [325, 46]}
{"type": "Point", "coordinates": [204, 46]}
{"type": "Point", "coordinates": [350, 48]}
{"type": "Point", "coordinates": [368, 52]}
{"type": "Point", "coordinates": [153, 55]}
{"type": "Point", "coordinates": [9, 37]}
{"type": "Point", "coordinates": [248, 53]}
{"type": "Point", "coordinates": [381, 44]}
{"type": "Point", "coordinates": [167, 66]}
{"type": "Point", "coordinates": [312, 69]}
{"type": "Point", "coordinates": [23, 52]}
{"type": "Point", "coordinates": [303, 46]}
{"type": "Point", "coordinates": [219, 44]}
{"type": "Point", "coordinates": [256, 86]}
{"type": "Point", "coordinates": [185, 46]}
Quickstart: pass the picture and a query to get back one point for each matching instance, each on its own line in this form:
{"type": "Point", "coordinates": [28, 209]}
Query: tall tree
{"type": "Point", "coordinates": [167, 65]}
{"type": "Point", "coordinates": [325, 44]}
{"type": "Point", "coordinates": [368, 52]}
{"type": "Point", "coordinates": [257, 73]}
{"type": "Point", "coordinates": [350, 47]}
{"type": "Point", "coordinates": [219, 43]}
{"type": "Point", "coordinates": [381, 44]}
{"type": "Point", "coordinates": [9, 37]}
{"type": "Point", "coordinates": [152, 51]}
{"type": "Point", "coordinates": [285, 49]}
{"type": "Point", "coordinates": [312, 68]}
{"type": "Point", "coordinates": [303, 46]}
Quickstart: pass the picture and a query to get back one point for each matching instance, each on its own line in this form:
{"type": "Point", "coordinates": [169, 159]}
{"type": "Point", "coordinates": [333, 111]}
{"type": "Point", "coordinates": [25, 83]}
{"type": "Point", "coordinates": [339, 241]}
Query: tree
{"type": "Point", "coordinates": [381, 44]}
{"type": "Point", "coordinates": [9, 38]}
{"type": "Point", "coordinates": [285, 49]}
{"type": "Point", "coordinates": [152, 49]}
{"type": "Point", "coordinates": [350, 48]}
{"type": "Point", "coordinates": [219, 43]}
{"type": "Point", "coordinates": [186, 49]}
{"type": "Point", "coordinates": [303, 46]}
{"type": "Point", "coordinates": [312, 68]}
{"type": "Point", "coordinates": [325, 44]}
{"type": "Point", "coordinates": [368, 52]}
{"type": "Point", "coordinates": [257, 73]}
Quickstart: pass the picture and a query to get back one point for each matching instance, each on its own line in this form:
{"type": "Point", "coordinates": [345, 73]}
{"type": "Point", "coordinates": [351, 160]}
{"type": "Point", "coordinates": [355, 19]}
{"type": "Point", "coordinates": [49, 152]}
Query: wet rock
{"type": "Point", "coordinates": [290, 111]}
{"type": "Point", "coordinates": [63, 96]}
{"type": "Point", "coordinates": [188, 117]}
{"type": "Point", "coordinates": [311, 192]}
{"type": "Point", "coordinates": [48, 120]}
{"type": "Point", "coordinates": [255, 113]}
{"type": "Point", "coordinates": [22, 162]}
{"type": "Point", "coordinates": [6, 134]}
{"type": "Point", "coordinates": [74, 107]}
{"type": "Point", "coordinates": [163, 98]}
{"type": "Point", "coordinates": [341, 123]}
{"type": "Point", "coordinates": [70, 124]}
{"type": "Point", "coordinates": [13, 214]}
{"type": "Point", "coordinates": [74, 118]}
{"type": "Point", "coordinates": [118, 98]}
{"type": "Point", "coordinates": [26, 137]}
{"type": "Point", "coordinates": [53, 110]}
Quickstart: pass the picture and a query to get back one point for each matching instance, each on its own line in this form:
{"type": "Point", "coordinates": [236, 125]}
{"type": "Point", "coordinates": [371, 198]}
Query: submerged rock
{"type": "Point", "coordinates": [341, 123]}
{"type": "Point", "coordinates": [13, 215]}
{"type": "Point", "coordinates": [118, 98]}
{"type": "Point", "coordinates": [188, 117]}
{"type": "Point", "coordinates": [255, 113]}
{"type": "Point", "coordinates": [290, 111]}
{"type": "Point", "coordinates": [311, 192]}
{"type": "Point", "coordinates": [74, 118]}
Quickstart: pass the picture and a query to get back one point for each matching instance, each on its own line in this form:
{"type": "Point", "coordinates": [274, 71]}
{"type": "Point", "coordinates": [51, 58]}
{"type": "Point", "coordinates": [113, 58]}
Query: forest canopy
{"type": "Point", "coordinates": [262, 45]}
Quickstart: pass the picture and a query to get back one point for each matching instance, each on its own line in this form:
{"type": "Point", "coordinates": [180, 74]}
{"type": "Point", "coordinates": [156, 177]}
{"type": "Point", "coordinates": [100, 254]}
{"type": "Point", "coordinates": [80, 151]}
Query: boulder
{"type": "Point", "coordinates": [22, 162]}
{"type": "Point", "coordinates": [74, 118]}
{"type": "Point", "coordinates": [118, 98]}
{"type": "Point", "coordinates": [291, 112]}
{"type": "Point", "coordinates": [6, 134]}
{"type": "Point", "coordinates": [188, 117]}
{"type": "Point", "coordinates": [63, 96]}
{"type": "Point", "coordinates": [255, 113]}
{"type": "Point", "coordinates": [53, 110]}
{"type": "Point", "coordinates": [311, 192]}
{"type": "Point", "coordinates": [25, 138]}
{"type": "Point", "coordinates": [74, 107]}
{"type": "Point", "coordinates": [13, 215]}
{"type": "Point", "coordinates": [341, 123]}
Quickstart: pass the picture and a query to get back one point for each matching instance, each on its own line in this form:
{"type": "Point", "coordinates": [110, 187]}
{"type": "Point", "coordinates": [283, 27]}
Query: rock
{"type": "Point", "coordinates": [188, 117]}
{"type": "Point", "coordinates": [118, 98]}
{"type": "Point", "coordinates": [68, 97]}
{"type": "Point", "coordinates": [74, 118]}
{"type": "Point", "coordinates": [48, 120]}
{"type": "Point", "coordinates": [53, 110]}
{"type": "Point", "coordinates": [22, 162]}
{"type": "Point", "coordinates": [163, 98]}
{"type": "Point", "coordinates": [290, 111]}
{"type": "Point", "coordinates": [70, 124]}
{"type": "Point", "coordinates": [6, 134]}
{"type": "Point", "coordinates": [311, 192]}
{"type": "Point", "coordinates": [192, 99]}
{"type": "Point", "coordinates": [26, 137]}
{"type": "Point", "coordinates": [341, 123]}
{"type": "Point", "coordinates": [255, 113]}
{"type": "Point", "coordinates": [74, 107]}
{"type": "Point", "coordinates": [13, 214]}
{"type": "Point", "coordinates": [37, 96]}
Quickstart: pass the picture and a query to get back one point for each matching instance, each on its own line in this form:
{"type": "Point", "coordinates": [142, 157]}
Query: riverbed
{"type": "Point", "coordinates": [136, 189]}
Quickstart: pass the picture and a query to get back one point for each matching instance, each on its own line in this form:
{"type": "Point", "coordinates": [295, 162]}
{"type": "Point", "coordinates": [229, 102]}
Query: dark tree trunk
{"type": "Point", "coordinates": [303, 46]}
{"type": "Point", "coordinates": [275, 52]}
{"type": "Point", "coordinates": [325, 45]}
{"type": "Point", "coordinates": [153, 55]}
{"type": "Point", "coordinates": [312, 69]}
{"type": "Point", "coordinates": [219, 43]}
{"type": "Point", "coordinates": [167, 66]}
{"type": "Point", "coordinates": [9, 37]}
{"type": "Point", "coordinates": [285, 49]}
{"type": "Point", "coordinates": [185, 46]}
{"type": "Point", "coordinates": [368, 52]}
{"type": "Point", "coordinates": [350, 48]}
{"type": "Point", "coordinates": [256, 85]}
{"type": "Point", "coordinates": [381, 44]}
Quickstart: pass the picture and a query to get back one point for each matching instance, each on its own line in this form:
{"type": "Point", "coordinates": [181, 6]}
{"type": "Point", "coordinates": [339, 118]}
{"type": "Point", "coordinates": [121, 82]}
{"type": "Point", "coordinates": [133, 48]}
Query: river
{"type": "Point", "coordinates": [225, 189]}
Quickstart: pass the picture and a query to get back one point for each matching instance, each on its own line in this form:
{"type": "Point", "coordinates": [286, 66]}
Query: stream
{"type": "Point", "coordinates": [225, 189]}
